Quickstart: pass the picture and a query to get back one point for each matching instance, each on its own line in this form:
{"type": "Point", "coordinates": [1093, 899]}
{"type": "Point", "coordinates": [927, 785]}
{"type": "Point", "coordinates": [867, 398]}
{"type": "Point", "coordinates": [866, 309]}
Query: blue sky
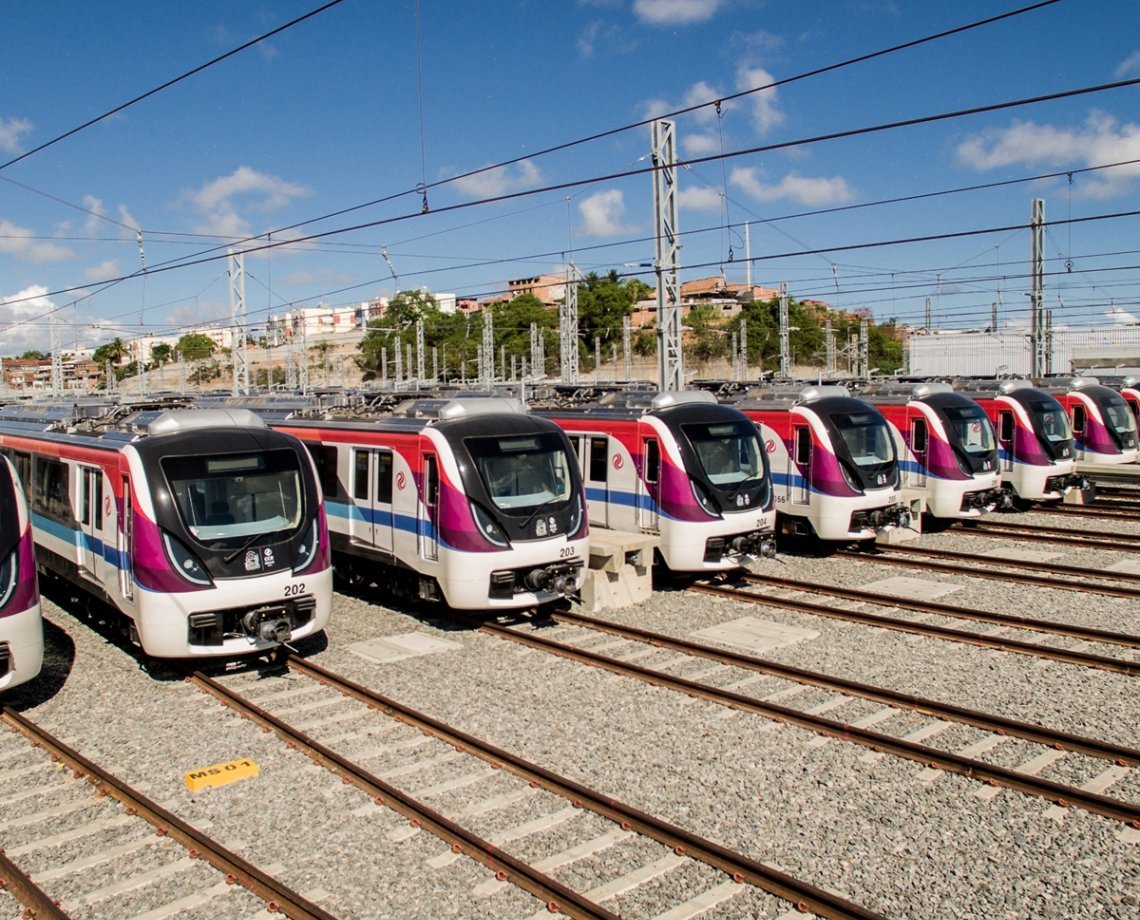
{"type": "Point", "coordinates": [351, 112]}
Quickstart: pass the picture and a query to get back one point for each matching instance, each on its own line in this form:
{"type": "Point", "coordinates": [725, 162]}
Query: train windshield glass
{"type": "Point", "coordinates": [1118, 418]}
{"type": "Point", "coordinates": [971, 428]}
{"type": "Point", "coordinates": [729, 452]}
{"type": "Point", "coordinates": [522, 472]}
{"type": "Point", "coordinates": [236, 495]}
{"type": "Point", "coordinates": [1050, 420]}
{"type": "Point", "coordinates": [866, 437]}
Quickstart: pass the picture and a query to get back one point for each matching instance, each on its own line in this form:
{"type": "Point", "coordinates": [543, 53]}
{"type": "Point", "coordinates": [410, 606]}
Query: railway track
{"type": "Point", "coordinates": [999, 568]}
{"type": "Point", "coordinates": [983, 527]}
{"type": "Point", "coordinates": [1121, 511]}
{"type": "Point", "coordinates": [858, 731]}
{"type": "Point", "coordinates": [171, 866]}
{"type": "Point", "coordinates": [727, 875]}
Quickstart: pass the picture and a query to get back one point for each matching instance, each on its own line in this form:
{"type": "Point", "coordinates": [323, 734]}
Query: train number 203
{"type": "Point", "coordinates": [294, 590]}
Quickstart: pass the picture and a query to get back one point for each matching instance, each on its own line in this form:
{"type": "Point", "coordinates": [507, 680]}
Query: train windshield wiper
{"type": "Point", "coordinates": [230, 557]}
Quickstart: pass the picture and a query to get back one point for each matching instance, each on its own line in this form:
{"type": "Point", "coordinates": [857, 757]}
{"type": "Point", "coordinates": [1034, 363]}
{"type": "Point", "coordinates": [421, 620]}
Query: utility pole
{"type": "Point", "coordinates": [1037, 342]}
{"type": "Point", "coordinates": [626, 334]}
{"type": "Point", "coordinates": [829, 344]}
{"type": "Point", "coordinates": [927, 325]}
{"type": "Point", "coordinates": [488, 376]}
{"type": "Point", "coordinates": [237, 324]}
{"type": "Point", "coordinates": [670, 369]}
{"type": "Point", "coordinates": [785, 336]}
{"type": "Point", "coordinates": [865, 347]}
{"type": "Point", "coordinates": [744, 346]}
{"type": "Point", "coordinates": [419, 351]}
{"type": "Point", "coordinates": [56, 357]}
{"type": "Point", "coordinates": [568, 328]}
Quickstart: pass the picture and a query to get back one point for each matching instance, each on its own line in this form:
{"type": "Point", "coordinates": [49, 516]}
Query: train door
{"type": "Point", "coordinates": [1080, 426]}
{"type": "Point", "coordinates": [916, 473]}
{"type": "Point", "coordinates": [799, 466]}
{"type": "Point", "coordinates": [1007, 431]}
{"type": "Point", "coordinates": [595, 472]}
{"type": "Point", "coordinates": [647, 485]}
{"type": "Point", "coordinates": [91, 562]}
{"type": "Point", "coordinates": [429, 511]}
{"type": "Point", "coordinates": [126, 528]}
{"type": "Point", "coordinates": [371, 522]}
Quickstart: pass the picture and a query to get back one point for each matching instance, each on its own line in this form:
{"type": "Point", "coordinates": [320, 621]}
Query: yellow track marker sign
{"type": "Point", "coordinates": [221, 773]}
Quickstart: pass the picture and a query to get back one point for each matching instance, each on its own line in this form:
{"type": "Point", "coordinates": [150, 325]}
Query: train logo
{"type": "Point", "coordinates": [770, 446]}
{"type": "Point", "coordinates": [618, 462]}
{"type": "Point", "coordinates": [401, 481]}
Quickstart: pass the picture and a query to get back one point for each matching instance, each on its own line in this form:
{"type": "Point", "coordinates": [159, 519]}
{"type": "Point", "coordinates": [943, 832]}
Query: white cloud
{"type": "Point", "coordinates": [218, 201]}
{"type": "Point", "coordinates": [700, 145]}
{"type": "Point", "coordinates": [1099, 140]}
{"type": "Point", "coordinates": [1130, 64]}
{"type": "Point", "coordinates": [700, 199]}
{"type": "Point", "coordinates": [675, 12]}
{"type": "Point", "coordinates": [765, 111]}
{"type": "Point", "coordinates": [817, 192]}
{"type": "Point", "coordinates": [322, 276]}
{"type": "Point", "coordinates": [24, 318]}
{"type": "Point", "coordinates": [602, 214]}
{"type": "Point", "coordinates": [10, 131]}
{"type": "Point", "coordinates": [102, 271]}
{"type": "Point", "coordinates": [23, 244]}
{"type": "Point", "coordinates": [1122, 317]}
{"type": "Point", "coordinates": [502, 180]}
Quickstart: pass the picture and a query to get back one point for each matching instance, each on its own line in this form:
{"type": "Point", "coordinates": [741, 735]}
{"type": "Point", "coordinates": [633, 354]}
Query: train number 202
{"type": "Point", "coordinates": [294, 590]}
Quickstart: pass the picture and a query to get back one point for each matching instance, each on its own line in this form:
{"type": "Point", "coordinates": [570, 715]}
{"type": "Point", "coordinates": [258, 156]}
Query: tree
{"type": "Point", "coordinates": [195, 346]}
{"type": "Point", "coordinates": [161, 353]}
{"type": "Point", "coordinates": [114, 351]}
{"type": "Point", "coordinates": [33, 355]}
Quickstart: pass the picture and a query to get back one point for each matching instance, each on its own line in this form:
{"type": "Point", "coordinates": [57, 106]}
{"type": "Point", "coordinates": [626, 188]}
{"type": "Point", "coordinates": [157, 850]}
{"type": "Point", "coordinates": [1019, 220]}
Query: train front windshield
{"type": "Point", "coordinates": [866, 437]}
{"type": "Point", "coordinates": [522, 472]}
{"type": "Point", "coordinates": [239, 495]}
{"type": "Point", "coordinates": [971, 431]}
{"type": "Point", "coordinates": [1118, 419]}
{"type": "Point", "coordinates": [1051, 424]}
{"type": "Point", "coordinates": [729, 452]}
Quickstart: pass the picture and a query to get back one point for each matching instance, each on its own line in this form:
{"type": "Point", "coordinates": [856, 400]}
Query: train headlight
{"type": "Point", "coordinates": [491, 531]}
{"type": "Point", "coordinates": [185, 563]}
{"type": "Point", "coordinates": [704, 499]}
{"type": "Point", "coordinates": [9, 569]}
{"type": "Point", "coordinates": [851, 479]}
{"type": "Point", "coordinates": [575, 515]}
{"type": "Point", "coordinates": [307, 551]}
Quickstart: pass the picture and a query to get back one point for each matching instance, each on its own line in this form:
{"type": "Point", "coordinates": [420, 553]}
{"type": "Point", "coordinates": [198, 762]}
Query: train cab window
{"type": "Point", "coordinates": [803, 446]}
{"type": "Point", "coordinates": [360, 474]}
{"type": "Point", "coordinates": [918, 436]}
{"type": "Point", "coordinates": [384, 476]}
{"type": "Point", "coordinates": [431, 484]}
{"type": "Point", "coordinates": [1005, 420]}
{"type": "Point", "coordinates": [1079, 419]}
{"type": "Point", "coordinates": [652, 461]}
{"type": "Point", "coordinates": [599, 454]}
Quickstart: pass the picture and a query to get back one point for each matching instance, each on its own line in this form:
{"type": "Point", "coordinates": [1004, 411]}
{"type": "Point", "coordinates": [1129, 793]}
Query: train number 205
{"type": "Point", "coordinates": [294, 590]}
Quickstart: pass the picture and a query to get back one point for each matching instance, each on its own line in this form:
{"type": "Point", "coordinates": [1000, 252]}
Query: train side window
{"type": "Point", "coordinates": [918, 436]}
{"type": "Point", "coordinates": [652, 461]}
{"type": "Point", "coordinates": [50, 495]}
{"type": "Point", "coordinates": [431, 487]}
{"type": "Point", "coordinates": [803, 446]}
{"type": "Point", "coordinates": [1079, 419]}
{"type": "Point", "coordinates": [360, 474]}
{"type": "Point", "coordinates": [324, 458]}
{"type": "Point", "coordinates": [599, 451]}
{"type": "Point", "coordinates": [384, 476]}
{"type": "Point", "coordinates": [1005, 420]}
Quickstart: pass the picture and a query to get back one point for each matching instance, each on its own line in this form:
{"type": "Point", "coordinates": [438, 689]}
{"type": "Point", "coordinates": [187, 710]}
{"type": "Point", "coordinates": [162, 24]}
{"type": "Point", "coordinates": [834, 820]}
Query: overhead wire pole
{"type": "Point", "coordinates": [670, 369]}
{"type": "Point", "coordinates": [785, 337]}
{"type": "Point", "coordinates": [568, 327]}
{"type": "Point", "coordinates": [237, 324]}
{"type": "Point", "coordinates": [1037, 338]}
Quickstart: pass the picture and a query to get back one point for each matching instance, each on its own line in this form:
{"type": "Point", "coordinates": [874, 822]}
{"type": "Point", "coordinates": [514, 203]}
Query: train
{"type": "Point", "coordinates": [202, 528]}
{"type": "Point", "coordinates": [1130, 390]}
{"type": "Point", "coordinates": [21, 625]}
{"type": "Point", "coordinates": [676, 465]}
{"type": "Point", "coordinates": [1035, 441]}
{"type": "Point", "coordinates": [1104, 430]}
{"type": "Point", "coordinates": [946, 445]}
{"type": "Point", "coordinates": [465, 500]}
{"type": "Point", "coordinates": [835, 470]}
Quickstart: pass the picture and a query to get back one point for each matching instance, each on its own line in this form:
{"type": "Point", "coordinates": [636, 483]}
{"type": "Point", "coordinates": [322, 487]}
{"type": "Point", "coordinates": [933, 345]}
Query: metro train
{"type": "Point", "coordinates": [677, 465]}
{"type": "Point", "coordinates": [946, 445]}
{"type": "Point", "coordinates": [21, 627]}
{"type": "Point", "coordinates": [835, 471]}
{"type": "Point", "coordinates": [1035, 441]}
{"type": "Point", "coordinates": [469, 501]}
{"type": "Point", "coordinates": [1130, 390]}
{"type": "Point", "coordinates": [1104, 430]}
{"type": "Point", "coordinates": [203, 528]}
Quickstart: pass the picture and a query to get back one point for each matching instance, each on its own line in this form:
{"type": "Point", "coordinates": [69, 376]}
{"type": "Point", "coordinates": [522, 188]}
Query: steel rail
{"type": "Point", "coordinates": [929, 564]}
{"type": "Point", "coordinates": [1058, 793]}
{"type": "Point", "coordinates": [1059, 568]}
{"type": "Point", "coordinates": [1084, 659]}
{"type": "Point", "coordinates": [1127, 543]}
{"type": "Point", "coordinates": [278, 897]}
{"type": "Point", "coordinates": [36, 901]}
{"type": "Point", "coordinates": [558, 897]}
{"type": "Point", "coordinates": [1090, 511]}
{"type": "Point", "coordinates": [1103, 750]}
{"type": "Point", "coordinates": [1069, 630]}
{"type": "Point", "coordinates": [807, 898]}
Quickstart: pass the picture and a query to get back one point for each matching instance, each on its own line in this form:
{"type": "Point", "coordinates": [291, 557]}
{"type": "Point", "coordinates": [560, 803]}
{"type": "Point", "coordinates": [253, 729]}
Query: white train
{"type": "Point", "coordinates": [203, 528]}
{"type": "Point", "coordinates": [21, 627]}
